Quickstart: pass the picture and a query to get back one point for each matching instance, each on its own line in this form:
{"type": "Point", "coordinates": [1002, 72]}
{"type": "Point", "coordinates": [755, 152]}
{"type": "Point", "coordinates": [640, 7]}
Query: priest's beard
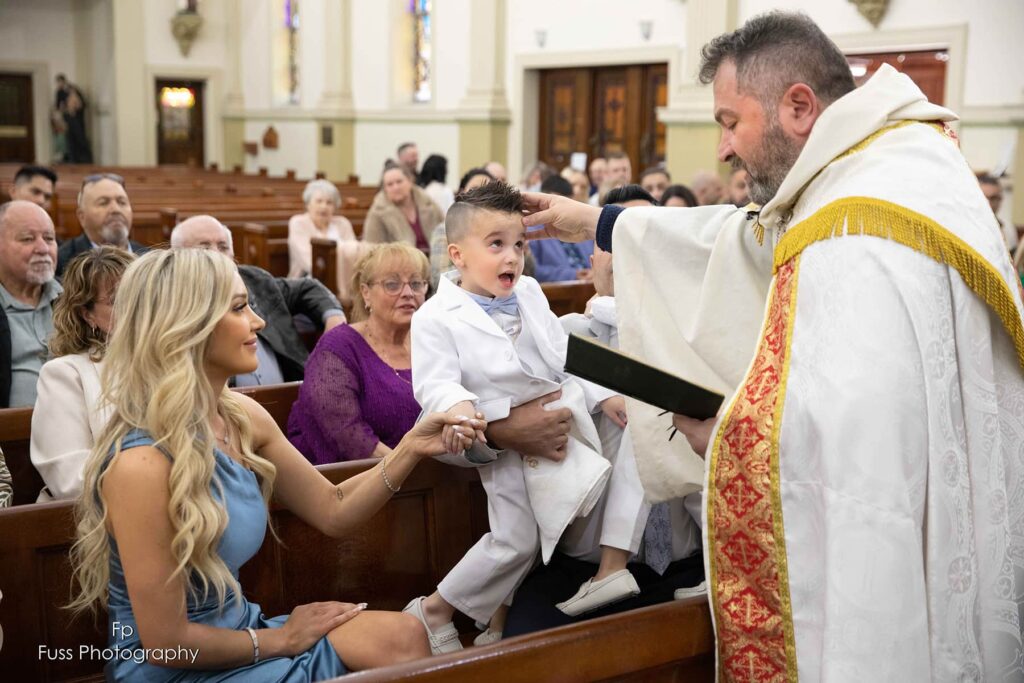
{"type": "Point", "coordinates": [771, 165]}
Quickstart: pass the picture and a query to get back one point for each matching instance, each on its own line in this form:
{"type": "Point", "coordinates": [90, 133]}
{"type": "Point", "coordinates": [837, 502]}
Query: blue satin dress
{"type": "Point", "coordinates": [247, 524]}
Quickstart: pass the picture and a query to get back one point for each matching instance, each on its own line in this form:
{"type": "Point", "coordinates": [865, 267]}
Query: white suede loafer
{"type": "Point", "coordinates": [594, 595]}
{"type": "Point", "coordinates": [487, 637]}
{"type": "Point", "coordinates": [445, 639]}
{"type": "Point", "coordinates": [692, 592]}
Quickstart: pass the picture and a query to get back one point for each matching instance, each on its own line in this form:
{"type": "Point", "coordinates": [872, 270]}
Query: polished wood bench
{"type": "Point", "coordinates": [569, 296]}
{"type": "Point", "coordinates": [404, 551]}
{"type": "Point", "coordinates": [669, 642]}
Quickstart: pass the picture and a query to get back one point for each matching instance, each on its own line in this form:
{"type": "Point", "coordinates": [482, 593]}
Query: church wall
{"type": "Point", "coordinates": [296, 149]}
{"type": "Point", "coordinates": [379, 140]}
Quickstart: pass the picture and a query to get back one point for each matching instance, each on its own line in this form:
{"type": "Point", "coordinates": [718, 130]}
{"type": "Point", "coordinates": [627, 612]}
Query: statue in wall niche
{"type": "Point", "coordinates": [872, 10]}
{"type": "Point", "coordinates": [270, 138]}
{"type": "Point", "coordinates": [185, 27]}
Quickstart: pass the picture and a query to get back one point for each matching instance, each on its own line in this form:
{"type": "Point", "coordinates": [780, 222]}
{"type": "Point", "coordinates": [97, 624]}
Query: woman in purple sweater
{"type": "Point", "coordinates": [356, 400]}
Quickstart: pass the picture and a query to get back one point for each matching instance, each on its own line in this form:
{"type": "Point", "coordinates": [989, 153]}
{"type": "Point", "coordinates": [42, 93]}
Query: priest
{"type": "Point", "coordinates": [864, 480]}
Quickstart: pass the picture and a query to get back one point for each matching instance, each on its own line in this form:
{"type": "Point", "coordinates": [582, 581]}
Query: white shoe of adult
{"type": "Point", "coordinates": [444, 639]}
{"type": "Point", "coordinates": [594, 595]}
{"type": "Point", "coordinates": [691, 592]}
{"type": "Point", "coordinates": [487, 637]}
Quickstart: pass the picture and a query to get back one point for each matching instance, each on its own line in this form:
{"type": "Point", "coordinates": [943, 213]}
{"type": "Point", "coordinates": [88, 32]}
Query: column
{"type": "Point", "coordinates": [130, 91]}
{"type": "Point", "coordinates": [484, 114]}
{"type": "Point", "coordinates": [233, 119]}
{"type": "Point", "coordinates": [336, 122]}
{"type": "Point", "coordinates": [691, 134]}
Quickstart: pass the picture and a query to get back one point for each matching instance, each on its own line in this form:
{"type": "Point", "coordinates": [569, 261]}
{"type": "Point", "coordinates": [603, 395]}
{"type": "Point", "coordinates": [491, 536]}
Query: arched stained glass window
{"type": "Point", "coordinates": [420, 10]}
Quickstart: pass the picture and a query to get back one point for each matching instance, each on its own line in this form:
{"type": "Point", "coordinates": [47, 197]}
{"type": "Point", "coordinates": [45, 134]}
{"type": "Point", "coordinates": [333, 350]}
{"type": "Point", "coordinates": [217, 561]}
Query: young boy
{"type": "Point", "coordinates": [485, 343]}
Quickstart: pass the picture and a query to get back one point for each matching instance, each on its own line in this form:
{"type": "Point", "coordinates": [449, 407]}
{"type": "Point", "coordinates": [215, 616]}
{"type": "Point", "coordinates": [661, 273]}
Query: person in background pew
{"type": "Point", "coordinates": [28, 253]}
{"type": "Point", "coordinates": [356, 401]}
{"type": "Point", "coordinates": [497, 171]}
{"type": "Point", "coordinates": [559, 261]}
{"type": "Point", "coordinates": [105, 214]}
{"type": "Point", "coordinates": [177, 489]}
{"type": "Point", "coordinates": [678, 195]}
{"type": "Point", "coordinates": [279, 347]}
{"type": "Point", "coordinates": [34, 184]}
{"type": "Point", "coordinates": [579, 181]}
{"type": "Point", "coordinates": [69, 413]}
{"type": "Point", "coordinates": [401, 211]}
{"type": "Point", "coordinates": [6, 493]}
{"type": "Point", "coordinates": [322, 199]}
{"type": "Point", "coordinates": [653, 180]}
{"type": "Point", "coordinates": [433, 178]}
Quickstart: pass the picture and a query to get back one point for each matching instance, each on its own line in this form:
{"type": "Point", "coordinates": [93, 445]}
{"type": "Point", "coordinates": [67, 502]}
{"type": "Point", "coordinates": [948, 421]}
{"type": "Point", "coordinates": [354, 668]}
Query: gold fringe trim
{"type": "Point", "coordinates": [879, 218]}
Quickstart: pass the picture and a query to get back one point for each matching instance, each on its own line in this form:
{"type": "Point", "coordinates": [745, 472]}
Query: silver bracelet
{"type": "Point", "coordinates": [384, 476]}
{"type": "Point", "coordinates": [255, 646]}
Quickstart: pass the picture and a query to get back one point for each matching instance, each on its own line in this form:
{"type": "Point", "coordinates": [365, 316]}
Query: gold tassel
{"type": "Point", "coordinates": [878, 218]}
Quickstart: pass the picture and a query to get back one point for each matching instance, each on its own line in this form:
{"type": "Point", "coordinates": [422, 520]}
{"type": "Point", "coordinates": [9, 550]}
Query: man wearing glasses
{"type": "Point", "coordinates": [105, 215]}
{"type": "Point", "coordinates": [280, 350]}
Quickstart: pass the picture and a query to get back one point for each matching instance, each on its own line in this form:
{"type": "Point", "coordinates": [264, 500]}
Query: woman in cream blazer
{"type": "Point", "coordinates": [69, 413]}
{"type": "Point", "coordinates": [401, 212]}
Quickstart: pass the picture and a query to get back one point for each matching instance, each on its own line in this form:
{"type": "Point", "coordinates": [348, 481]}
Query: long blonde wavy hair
{"type": "Point", "coordinates": [168, 304]}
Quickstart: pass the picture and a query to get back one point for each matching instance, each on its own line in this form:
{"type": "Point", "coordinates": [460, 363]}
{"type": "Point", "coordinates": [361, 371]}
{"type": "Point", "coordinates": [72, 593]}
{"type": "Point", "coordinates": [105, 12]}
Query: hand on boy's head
{"type": "Point", "coordinates": [560, 217]}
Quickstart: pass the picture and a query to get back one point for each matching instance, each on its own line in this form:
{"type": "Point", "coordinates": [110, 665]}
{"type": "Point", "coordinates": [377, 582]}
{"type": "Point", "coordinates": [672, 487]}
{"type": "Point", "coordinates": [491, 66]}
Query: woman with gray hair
{"type": "Point", "coordinates": [322, 199]}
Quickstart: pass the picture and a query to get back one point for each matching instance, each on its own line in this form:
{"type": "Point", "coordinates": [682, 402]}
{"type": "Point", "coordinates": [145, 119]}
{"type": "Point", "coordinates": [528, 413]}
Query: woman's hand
{"type": "Point", "coordinates": [697, 432]}
{"type": "Point", "coordinates": [440, 433]}
{"type": "Point", "coordinates": [309, 623]}
{"type": "Point", "coordinates": [615, 409]}
{"type": "Point", "coordinates": [563, 218]}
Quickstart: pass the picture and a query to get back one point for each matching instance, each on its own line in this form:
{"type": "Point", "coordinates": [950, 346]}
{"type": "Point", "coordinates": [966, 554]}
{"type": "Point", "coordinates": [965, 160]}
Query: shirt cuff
{"type": "Point", "coordinates": [605, 224]}
{"type": "Point", "coordinates": [331, 312]}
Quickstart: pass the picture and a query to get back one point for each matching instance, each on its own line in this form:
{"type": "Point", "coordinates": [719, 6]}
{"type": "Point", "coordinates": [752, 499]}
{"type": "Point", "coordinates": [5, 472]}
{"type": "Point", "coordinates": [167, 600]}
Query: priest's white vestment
{"type": "Point", "coordinates": [864, 488]}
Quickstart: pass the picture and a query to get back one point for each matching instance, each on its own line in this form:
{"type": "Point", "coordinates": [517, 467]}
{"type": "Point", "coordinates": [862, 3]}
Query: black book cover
{"type": "Point", "coordinates": [593, 361]}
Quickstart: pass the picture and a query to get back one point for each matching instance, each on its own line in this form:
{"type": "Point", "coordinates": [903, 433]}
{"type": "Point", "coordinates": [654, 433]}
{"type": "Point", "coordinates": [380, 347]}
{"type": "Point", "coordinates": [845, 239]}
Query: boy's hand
{"type": "Point", "coordinates": [456, 437]}
{"type": "Point", "coordinates": [615, 409]}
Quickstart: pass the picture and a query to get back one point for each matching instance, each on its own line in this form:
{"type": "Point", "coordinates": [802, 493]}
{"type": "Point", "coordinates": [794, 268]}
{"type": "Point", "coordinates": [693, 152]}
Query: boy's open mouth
{"type": "Point", "coordinates": [507, 279]}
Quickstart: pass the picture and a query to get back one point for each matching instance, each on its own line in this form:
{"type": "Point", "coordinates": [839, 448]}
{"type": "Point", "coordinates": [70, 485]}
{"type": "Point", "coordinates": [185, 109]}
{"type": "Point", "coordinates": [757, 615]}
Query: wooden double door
{"type": "Point", "coordinates": [17, 137]}
{"type": "Point", "coordinates": [599, 110]}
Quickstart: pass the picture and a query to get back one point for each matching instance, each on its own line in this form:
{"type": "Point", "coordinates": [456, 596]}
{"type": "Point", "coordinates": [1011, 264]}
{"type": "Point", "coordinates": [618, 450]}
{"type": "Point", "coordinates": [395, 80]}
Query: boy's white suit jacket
{"type": "Point", "coordinates": [460, 354]}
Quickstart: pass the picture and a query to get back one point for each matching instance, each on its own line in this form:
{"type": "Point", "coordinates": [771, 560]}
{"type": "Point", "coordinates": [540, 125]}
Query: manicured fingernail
{"type": "Point", "coordinates": [361, 605]}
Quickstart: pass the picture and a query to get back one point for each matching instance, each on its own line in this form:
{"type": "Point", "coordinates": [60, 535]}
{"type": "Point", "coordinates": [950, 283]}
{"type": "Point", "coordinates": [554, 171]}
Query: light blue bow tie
{"type": "Point", "coordinates": [508, 304]}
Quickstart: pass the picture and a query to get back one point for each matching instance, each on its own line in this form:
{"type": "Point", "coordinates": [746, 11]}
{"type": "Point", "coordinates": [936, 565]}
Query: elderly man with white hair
{"type": "Point", "coordinates": [281, 352]}
{"type": "Point", "coordinates": [28, 258]}
{"type": "Point", "coordinates": [322, 200]}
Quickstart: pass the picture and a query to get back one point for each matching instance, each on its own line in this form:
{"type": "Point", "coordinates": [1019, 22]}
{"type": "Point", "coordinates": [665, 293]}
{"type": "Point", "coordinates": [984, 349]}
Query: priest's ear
{"type": "Point", "coordinates": [799, 108]}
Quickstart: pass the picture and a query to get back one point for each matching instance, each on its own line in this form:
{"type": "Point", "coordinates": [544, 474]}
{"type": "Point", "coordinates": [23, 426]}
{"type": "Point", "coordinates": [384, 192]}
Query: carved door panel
{"type": "Point", "coordinates": [652, 138]}
{"type": "Point", "coordinates": [618, 103]}
{"type": "Point", "coordinates": [927, 69]}
{"type": "Point", "coordinates": [564, 114]}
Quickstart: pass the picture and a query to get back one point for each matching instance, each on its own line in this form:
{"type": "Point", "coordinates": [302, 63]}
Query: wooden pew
{"type": "Point", "coordinates": [668, 642]}
{"type": "Point", "coordinates": [402, 552]}
{"type": "Point", "coordinates": [570, 296]}
{"type": "Point", "coordinates": [16, 426]}
{"type": "Point", "coordinates": [325, 263]}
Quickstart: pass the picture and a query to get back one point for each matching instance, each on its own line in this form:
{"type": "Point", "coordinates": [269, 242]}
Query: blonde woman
{"type": "Point", "coordinates": [176, 492]}
{"type": "Point", "coordinates": [69, 415]}
{"type": "Point", "coordinates": [322, 200]}
{"type": "Point", "coordinates": [356, 400]}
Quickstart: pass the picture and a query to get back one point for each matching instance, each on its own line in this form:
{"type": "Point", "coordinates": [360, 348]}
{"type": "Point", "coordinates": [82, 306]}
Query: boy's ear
{"type": "Point", "coordinates": [455, 254]}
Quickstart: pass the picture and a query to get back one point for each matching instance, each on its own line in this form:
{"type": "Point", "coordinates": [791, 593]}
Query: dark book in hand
{"type": "Point", "coordinates": [593, 361]}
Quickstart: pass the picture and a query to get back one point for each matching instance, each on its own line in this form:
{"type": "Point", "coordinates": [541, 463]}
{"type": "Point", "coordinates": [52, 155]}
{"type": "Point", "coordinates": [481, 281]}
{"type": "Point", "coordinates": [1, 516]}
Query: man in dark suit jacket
{"type": "Point", "coordinates": [105, 214]}
{"type": "Point", "coordinates": [277, 300]}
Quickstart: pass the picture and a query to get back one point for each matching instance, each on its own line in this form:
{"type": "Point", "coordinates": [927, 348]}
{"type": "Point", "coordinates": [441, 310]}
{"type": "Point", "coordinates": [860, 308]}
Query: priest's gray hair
{"type": "Point", "coordinates": [775, 50]}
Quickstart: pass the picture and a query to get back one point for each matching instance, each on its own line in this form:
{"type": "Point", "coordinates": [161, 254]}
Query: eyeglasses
{"type": "Point", "coordinates": [394, 287]}
{"type": "Point", "coordinates": [96, 177]}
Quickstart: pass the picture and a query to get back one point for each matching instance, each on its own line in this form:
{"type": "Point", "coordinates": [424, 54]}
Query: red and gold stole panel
{"type": "Point", "coordinates": [749, 583]}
